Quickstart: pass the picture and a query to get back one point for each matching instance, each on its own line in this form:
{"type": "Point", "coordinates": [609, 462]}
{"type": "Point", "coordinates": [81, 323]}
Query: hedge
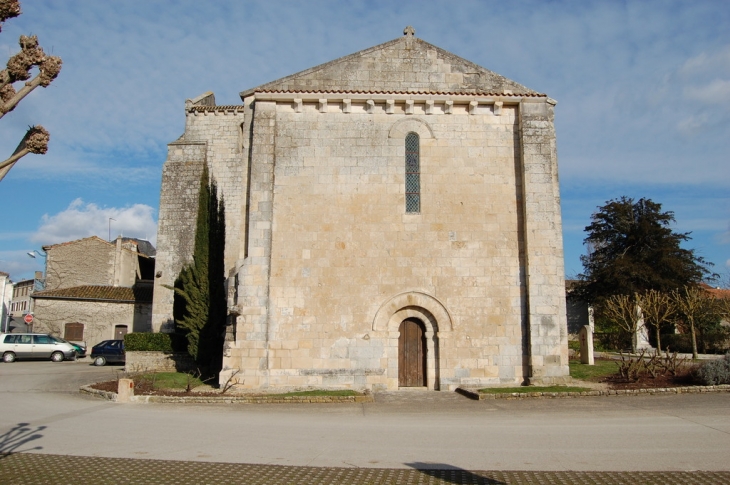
{"type": "Point", "coordinates": [146, 342]}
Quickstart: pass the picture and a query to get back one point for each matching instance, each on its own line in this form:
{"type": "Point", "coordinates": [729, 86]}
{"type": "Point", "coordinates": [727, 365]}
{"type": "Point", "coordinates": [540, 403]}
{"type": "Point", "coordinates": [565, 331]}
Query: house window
{"type": "Point", "coordinates": [74, 331]}
{"type": "Point", "coordinates": [413, 173]}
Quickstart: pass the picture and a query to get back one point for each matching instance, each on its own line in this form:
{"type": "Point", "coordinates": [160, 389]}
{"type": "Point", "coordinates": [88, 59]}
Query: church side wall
{"type": "Point", "coordinates": [342, 245]}
{"type": "Point", "coordinates": [213, 137]}
{"type": "Point", "coordinates": [176, 225]}
{"type": "Point", "coordinates": [221, 129]}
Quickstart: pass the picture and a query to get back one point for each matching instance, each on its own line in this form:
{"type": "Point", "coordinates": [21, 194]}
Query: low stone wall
{"type": "Point", "coordinates": [158, 361]}
{"type": "Point", "coordinates": [232, 398]}
{"type": "Point", "coordinates": [476, 395]}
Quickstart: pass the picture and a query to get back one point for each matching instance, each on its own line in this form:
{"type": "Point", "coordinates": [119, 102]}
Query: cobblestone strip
{"type": "Point", "coordinates": [32, 469]}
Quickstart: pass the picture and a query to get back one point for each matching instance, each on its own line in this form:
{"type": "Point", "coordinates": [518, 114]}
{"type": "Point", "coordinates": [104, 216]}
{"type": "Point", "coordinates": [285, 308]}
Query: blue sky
{"type": "Point", "coordinates": [643, 91]}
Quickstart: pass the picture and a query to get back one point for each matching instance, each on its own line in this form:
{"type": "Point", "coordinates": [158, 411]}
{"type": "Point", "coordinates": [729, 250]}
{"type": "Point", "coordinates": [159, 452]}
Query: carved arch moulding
{"type": "Point", "coordinates": [416, 125]}
{"type": "Point", "coordinates": [413, 304]}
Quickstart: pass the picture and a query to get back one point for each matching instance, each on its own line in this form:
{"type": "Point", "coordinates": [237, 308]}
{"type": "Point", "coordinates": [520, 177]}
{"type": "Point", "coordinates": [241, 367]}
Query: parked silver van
{"type": "Point", "coordinates": [34, 346]}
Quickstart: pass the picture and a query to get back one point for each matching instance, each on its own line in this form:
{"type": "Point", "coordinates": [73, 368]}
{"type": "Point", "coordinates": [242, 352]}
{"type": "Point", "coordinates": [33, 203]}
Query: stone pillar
{"type": "Point", "coordinates": [586, 345]}
{"type": "Point", "coordinates": [125, 390]}
{"type": "Point", "coordinates": [543, 245]}
{"type": "Point", "coordinates": [250, 353]}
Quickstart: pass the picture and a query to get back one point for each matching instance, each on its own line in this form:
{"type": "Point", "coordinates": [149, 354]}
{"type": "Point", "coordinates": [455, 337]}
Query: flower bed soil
{"type": "Point", "coordinates": [683, 378]}
{"type": "Point", "coordinates": [144, 388]}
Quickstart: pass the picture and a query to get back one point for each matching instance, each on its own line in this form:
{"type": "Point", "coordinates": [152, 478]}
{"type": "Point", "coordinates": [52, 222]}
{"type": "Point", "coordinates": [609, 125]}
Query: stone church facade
{"type": "Point", "coordinates": [392, 220]}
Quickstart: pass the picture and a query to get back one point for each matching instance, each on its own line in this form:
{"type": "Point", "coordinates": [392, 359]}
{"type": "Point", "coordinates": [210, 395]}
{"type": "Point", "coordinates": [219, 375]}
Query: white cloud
{"type": "Point", "coordinates": [716, 91]}
{"type": "Point", "coordinates": [82, 220]}
{"type": "Point", "coordinates": [693, 124]}
{"type": "Point", "coordinates": [19, 265]}
{"type": "Point", "coordinates": [707, 63]}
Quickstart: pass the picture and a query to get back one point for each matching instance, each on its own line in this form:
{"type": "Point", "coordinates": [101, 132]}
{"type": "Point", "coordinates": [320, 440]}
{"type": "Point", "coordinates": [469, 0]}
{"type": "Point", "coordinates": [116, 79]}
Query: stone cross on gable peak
{"type": "Point", "coordinates": [409, 31]}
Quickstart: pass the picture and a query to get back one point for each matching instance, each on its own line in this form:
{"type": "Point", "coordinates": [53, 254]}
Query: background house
{"type": "Point", "coordinates": [96, 290]}
{"type": "Point", "coordinates": [6, 296]}
{"type": "Point", "coordinates": [21, 303]}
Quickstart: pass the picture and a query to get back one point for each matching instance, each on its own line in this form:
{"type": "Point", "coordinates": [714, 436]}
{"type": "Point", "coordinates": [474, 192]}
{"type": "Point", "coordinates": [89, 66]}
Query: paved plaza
{"type": "Point", "coordinates": [49, 433]}
{"type": "Point", "coordinates": [31, 469]}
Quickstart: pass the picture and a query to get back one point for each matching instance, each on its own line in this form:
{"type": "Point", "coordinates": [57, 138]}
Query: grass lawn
{"type": "Point", "coordinates": [344, 392]}
{"type": "Point", "coordinates": [585, 372]}
{"type": "Point", "coordinates": [578, 371]}
{"type": "Point", "coordinates": [170, 380]}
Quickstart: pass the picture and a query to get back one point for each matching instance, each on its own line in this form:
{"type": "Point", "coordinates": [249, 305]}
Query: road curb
{"type": "Point", "coordinates": [232, 398]}
{"type": "Point", "coordinates": [477, 396]}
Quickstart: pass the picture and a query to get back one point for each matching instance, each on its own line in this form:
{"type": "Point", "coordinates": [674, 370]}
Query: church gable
{"type": "Point", "coordinates": [404, 64]}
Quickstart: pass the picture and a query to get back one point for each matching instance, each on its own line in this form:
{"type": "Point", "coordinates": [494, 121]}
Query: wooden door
{"type": "Point", "coordinates": [411, 354]}
{"type": "Point", "coordinates": [120, 331]}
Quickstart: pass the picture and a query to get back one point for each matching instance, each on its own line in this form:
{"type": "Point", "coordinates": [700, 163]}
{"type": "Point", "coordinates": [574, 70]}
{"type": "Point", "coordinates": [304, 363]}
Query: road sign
{"type": "Point", "coordinates": [28, 318]}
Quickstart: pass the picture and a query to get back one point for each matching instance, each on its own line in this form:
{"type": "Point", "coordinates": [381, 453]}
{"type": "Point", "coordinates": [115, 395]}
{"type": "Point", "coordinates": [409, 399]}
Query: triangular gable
{"type": "Point", "coordinates": [406, 64]}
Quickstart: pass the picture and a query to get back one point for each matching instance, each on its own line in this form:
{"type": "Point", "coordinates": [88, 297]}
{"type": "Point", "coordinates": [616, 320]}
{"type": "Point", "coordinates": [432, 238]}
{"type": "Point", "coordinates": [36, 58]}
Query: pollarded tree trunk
{"type": "Point", "coordinates": [18, 69]}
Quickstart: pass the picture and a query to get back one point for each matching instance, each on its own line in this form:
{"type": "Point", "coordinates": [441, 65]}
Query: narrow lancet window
{"type": "Point", "coordinates": [413, 173]}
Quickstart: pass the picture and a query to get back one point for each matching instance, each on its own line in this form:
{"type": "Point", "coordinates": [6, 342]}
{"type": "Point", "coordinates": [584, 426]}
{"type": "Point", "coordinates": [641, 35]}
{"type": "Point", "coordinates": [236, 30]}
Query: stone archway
{"type": "Point", "coordinates": [437, 324]}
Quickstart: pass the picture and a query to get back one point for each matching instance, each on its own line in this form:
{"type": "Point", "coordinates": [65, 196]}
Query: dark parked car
{"type": "Point", "coordinates": [111, 351]}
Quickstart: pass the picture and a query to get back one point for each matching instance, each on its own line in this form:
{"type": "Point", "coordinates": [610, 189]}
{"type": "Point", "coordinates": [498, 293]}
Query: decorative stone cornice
{"type": "Point", "coordinates": [407, 101]}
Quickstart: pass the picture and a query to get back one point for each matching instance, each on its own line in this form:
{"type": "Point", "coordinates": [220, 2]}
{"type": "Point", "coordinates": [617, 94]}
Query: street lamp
{"type": "Point", "coordinates": [37, 284]}
{"type": "Point", "coordinates": [44, 255]}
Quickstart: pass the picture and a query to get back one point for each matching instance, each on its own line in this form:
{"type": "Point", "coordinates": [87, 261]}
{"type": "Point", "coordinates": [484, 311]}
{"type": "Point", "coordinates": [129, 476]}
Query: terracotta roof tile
{"type": "Point", "coordinates": [442, 93]}
{"type": "Point", "coordinates": [139, 294]}
{"type": "Point", "coordinates": [716, 292]}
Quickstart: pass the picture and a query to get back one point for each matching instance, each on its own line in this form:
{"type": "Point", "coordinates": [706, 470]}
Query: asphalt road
{"type": "Point", "coordinates": [42, 412]}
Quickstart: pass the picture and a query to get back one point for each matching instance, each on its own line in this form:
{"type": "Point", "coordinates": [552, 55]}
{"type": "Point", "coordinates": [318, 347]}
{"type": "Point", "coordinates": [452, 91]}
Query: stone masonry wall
{"type": "Point", "coordinates": [343, 245]}
{"type": "Point", "coordinates": [99, 318]}
{"type": "Point", "coordinates": [176, 225]}
{"type": "Point", "coordinates": [87, 261]}
{"type": "Point", "coordinates": [213, 136]}
{"type": "Point", "coordinates": [548, 348]}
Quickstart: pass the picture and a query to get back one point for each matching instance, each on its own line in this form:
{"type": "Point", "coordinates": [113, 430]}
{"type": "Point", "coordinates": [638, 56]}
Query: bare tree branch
{"type": "Point", "coordinates": [18, 69]}
{"type": "Point", "coordinates": [34, 141]}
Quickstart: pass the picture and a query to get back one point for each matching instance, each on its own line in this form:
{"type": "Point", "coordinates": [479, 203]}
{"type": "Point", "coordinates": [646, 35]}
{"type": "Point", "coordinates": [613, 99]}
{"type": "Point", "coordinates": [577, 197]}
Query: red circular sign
{"type": "Point", "coordinates": [28, 318]}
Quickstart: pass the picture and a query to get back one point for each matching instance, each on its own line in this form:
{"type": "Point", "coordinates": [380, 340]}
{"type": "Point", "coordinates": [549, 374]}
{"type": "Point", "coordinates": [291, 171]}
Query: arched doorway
{"type": "Point", "coordinates": [412, 351]}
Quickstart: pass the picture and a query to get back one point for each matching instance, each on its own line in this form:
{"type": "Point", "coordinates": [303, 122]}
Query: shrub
{"type": "Point", "coordinates": [714, 372]}
{"type": "Point", "coordinates": [677, 342]}
{"type": "Point", "coordinates": [146, 342]}
{"type": "Point", "coordinates": [715, 342]}
{"type": "Point", "coordinates": [611, 341]}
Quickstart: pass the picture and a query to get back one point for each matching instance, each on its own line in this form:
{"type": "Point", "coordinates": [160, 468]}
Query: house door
{"type": "Point", "coordinates": [411, 354]}
{"type": "Point", "coordinates": [120, 331]}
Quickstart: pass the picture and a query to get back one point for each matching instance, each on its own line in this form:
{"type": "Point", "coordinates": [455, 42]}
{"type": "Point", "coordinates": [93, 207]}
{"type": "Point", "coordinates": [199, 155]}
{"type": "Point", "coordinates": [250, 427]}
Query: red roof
{"type": "Point", "coordinates": [137, 294]}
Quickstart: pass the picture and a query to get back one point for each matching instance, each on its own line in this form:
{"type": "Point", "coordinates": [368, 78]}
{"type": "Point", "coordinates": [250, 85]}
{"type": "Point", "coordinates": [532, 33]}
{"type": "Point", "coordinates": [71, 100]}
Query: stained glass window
{"type": "Point", "coordinates": [413, 174]}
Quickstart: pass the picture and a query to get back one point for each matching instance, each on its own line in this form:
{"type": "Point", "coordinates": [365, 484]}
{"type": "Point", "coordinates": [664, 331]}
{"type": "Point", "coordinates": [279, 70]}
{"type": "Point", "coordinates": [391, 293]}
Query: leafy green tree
{"type": "Point", "coordinates": [200, 299]}
{"type": "Point", "coordinates": [632, 249]}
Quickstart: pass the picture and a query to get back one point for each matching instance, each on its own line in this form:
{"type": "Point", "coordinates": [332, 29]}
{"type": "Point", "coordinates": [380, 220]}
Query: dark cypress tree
{"type": "Point", "coordinates": [632, 250]}
{"type": "Point", "coordinates": [200, 300]}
